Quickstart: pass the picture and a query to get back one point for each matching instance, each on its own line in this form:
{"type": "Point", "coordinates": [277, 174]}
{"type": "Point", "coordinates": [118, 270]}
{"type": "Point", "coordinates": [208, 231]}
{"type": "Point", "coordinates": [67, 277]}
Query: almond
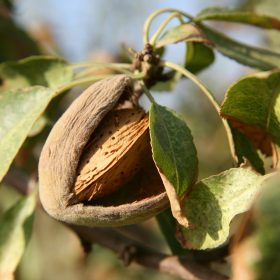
{"type": "Point", "coordinates": [114, 154]}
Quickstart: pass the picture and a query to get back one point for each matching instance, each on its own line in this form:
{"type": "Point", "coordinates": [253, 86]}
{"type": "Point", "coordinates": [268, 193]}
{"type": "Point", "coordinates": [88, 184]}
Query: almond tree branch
{"type": "Point", "coordinates": [130, 250]}
{"type": "Point", "coordinates": [120, 241]}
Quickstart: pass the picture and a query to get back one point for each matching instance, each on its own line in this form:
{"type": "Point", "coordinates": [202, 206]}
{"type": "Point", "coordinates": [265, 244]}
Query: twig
{"type": "Point", "coordinates": [210, 97]}
{"type": "Point", "coordinates": [183, 267]}
{"type": "Point", "coordinates": [19, 180]}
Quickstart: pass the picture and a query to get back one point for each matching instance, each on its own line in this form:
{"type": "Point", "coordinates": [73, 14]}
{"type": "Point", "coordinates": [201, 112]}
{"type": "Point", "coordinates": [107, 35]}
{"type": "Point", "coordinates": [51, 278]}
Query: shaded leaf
{"type": "Point", "coordinates": [37, 70]}
{"type": "Point", "coordinates": [267, 221]}
{"type": "Point", "coordinates": [242, 53]}
{"type": "Point", "coordinates": [213, 203]}
{"type": "Point", "coordinates": [165, 86]}
{"type": "Point", "coordinates": [18, 112]}
{"type": "Point", "coordinates": [259, 138]}
{"type": "Point", "coordinates": [167, 224]}
{"type": "Point", "coordinates": [15, 42]}
{"type": "Point", "coordinates": [224, 14]}
{"type": "Point", "coordinates": [174, 154]}
{"type": "Point", "coordinates": [8, 4]}
{"type": "Point", "coordinates": [169, 84]}
{"type": "Point", "coordinates": [256, 250]}
{"type": "Point", "coordinates": [182, 33]}
{"type": "Point", "coordinates": [15, 231]}
{"type": "Point", "coordinates": [245, 150]}
{"type": "Point", "coordinates": [269, 7]}
{"type": "Point", "coordinates": [198, 57]}
{"type": "Point", "coordinates": [253, 107]}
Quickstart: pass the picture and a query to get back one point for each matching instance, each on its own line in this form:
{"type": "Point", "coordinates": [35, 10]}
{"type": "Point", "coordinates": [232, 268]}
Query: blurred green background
{"type": "Point", "coordinates": [92, 30]}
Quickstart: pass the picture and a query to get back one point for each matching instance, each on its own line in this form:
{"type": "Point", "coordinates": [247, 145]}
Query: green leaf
{"type": "Point", "coordinates": [254, 104]}
{"type": "Point", "coordinates": [37, 70]}
{"type": "Point", "coordinates": [267, 231]}
{"type": "Point", "coordinates": [21, 105]}
{"type": "Point", "coordinates": [167, 224]}
{"type": "Point", "coordinates": [168, 85]}
{"type": "Point", "coordinates": [182, 33]}
{"type": "Point", "coordinates": [213, 203]}
{"type": "Point", "coordinates": [15, 42]}
{"type": "Point", "coordinates": [18, 112]}
{"type": "Point", "coordinates": [269, 7]}
{"type": "Point", "coordinates": [198, 57]}
{"type": "Point", "coordinates": [247, 17]}
{"type": "Point", "coordinates": [15, 231]}
{"type": "Point", "coordinates": [174, 154]}
{"type": "Point", "coordinates": [242, 53]}
{"type": "Point", "coordinates": [245, 150]}
{"type": "Point", "coordinates": [38, 126]}
{"type": "Point", "coordinates": [173, 149]}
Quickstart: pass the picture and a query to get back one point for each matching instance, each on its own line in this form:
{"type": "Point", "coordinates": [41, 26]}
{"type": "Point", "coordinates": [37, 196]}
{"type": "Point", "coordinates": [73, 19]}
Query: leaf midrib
{"type": "Point", "coordinates": [172, 150]}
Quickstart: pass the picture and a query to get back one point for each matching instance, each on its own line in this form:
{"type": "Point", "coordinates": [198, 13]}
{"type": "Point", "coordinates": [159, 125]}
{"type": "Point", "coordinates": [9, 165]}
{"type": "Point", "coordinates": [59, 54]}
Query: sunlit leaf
{"type": "Point", "coordinates": [213, 203]}
{"type": "Point", "coordinates": [19, 109]}
{"type": "Point", "coordinates": [37, 70]}
{"type": "Point", "coordinates": [174, 154]}
{"type": "Point", "coordinates": [38, 126]}
{"type": "Point", "coordinates": [15, 231]}
{"type": "Point", "coordinates": [253, 107]}
{"type": "Point", "coordinates": [182, 33]}
{"type": "Point", "coordinates": [242, 53]}
{"type": "Point", "coordinates": [241, 16]}
{"type": "Point", "coordinates": [21, 104]}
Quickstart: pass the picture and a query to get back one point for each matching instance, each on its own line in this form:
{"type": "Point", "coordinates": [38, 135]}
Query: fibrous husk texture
{"type": "Point", "coordinates": [63, 157]}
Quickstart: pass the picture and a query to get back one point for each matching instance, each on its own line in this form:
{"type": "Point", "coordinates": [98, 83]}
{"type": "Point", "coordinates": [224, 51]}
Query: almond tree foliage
{"type": "Point", "coordinates": [197, 221]}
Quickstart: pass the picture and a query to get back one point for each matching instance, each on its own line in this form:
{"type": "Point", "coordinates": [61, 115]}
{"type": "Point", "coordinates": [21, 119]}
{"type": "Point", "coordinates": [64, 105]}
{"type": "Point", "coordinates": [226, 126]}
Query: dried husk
{"type": "Point", "coordinates": [137, 197]}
